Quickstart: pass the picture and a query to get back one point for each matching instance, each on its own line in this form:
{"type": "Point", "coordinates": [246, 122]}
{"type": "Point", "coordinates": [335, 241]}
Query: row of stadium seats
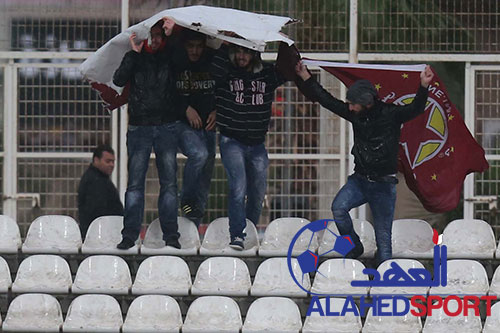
{"type": "Point", "coordinates": [159, 313]}
{"type": "Point", "coordinates": [465, 239]}
{"type": "Point", "coordinates": [227, 276]}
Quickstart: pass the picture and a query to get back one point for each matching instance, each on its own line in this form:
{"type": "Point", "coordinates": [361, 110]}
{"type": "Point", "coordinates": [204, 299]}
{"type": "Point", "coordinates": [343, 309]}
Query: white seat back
{"type": "Point", "coordinates": [43, 273]}
{"type": "Point", "coordinates": [104, 234]}
{"type": "Point", "coordinates": [217, 238]}
{"type": "Point", "coordinates": [493, 322]}
{"type": "Point", "coordinates": [33, 312]}
{"type": "Point", "coordinates": [382, 324]}
{"type": "Point", "coordinates": [154, 244]}
{"type": "Point", "coordinates": [222, 276]}
{"type": "Point", "coordinates": [334, 276]}
{"type": "Point", "coordinates": [10, 237]}
{"type": "Point", "coordinates": [213, 314]}
{"type": "Point", "coordinates": [440, 322]}
{"type": "Point", "coordinates": [412, 238]}
{"type": "Point", "coordinates": [162, 275]}
{"type": "Point", "coordinates": [279, 234]}
{"type": "Point", "coordinates": [5, 278]}
{"type": "Point", "coordinates": [363, 228]}
{"type": "Point", "coordinates": [273, 279]}
{"type": "Point", "coordinates": [93, 313]}
{"type": "Point", "coordinates": [53, 234]}
{"type": "Point", "coordinates": [279, 313]}
{"type": "Point", "coordinates": [472, 239]}
{"type": "Point", "coordinates": [315, 323]}
{"type": "Point", "coordinates": [464, 277]}
{"type": "Point", "coordinates": [153, 313]}
{"type": "Point", "coordinates": [405, 264]}
{"type": "Point", "coordinates": [102, 274]}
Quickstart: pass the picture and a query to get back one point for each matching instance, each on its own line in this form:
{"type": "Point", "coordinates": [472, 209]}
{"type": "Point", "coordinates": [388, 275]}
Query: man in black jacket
{"type": "Point", "coordinates": [377, 128]}
{"type": "Point", "coordinates": [97, 195]}
{"type": "Point", "coordinates": [196, 130]}
{"type": "Point", "coordinates": [244, 94]}
{"type": "Point", "coordinates": [152, 124]}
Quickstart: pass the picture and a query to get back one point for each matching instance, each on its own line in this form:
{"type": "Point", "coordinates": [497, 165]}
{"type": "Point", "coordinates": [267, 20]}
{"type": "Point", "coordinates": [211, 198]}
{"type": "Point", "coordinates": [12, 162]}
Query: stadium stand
{"type": "Point", "coordinates": [405, 264]}
{"type": "Point", "coordinates": [315, 323]}
{"type": "Point", "coordinates": [212, 314]}
{"type": "Point", "coordinates": [93, 313]}
{"type": "Point", "coordinates": [465, 277]}
{"type": "Point", "coordinates": [335, 276]}
{"type": "Point", "coordinates": [5, 278]}
{"type": "Point", "coordinates": [383, 324]}
{"type": "Point", "coordinates": [280, 232]}
{"type": "Point", "coordinates": [10, 236]}
{"type": "Point", "coordinates": [280, 313]}
{"type": "Point", "coordinates": [439, 322]}
{"type": "Point", "coordinates": [103, 235]}
{"type": "Point", "coordinates": [412, 238]}
{"type": "Point", "coordinates": [363, 228]}
{"type": "Point", "coordinates": [153, 243]}
{"type": "Point", "coordinates": [469, 239]}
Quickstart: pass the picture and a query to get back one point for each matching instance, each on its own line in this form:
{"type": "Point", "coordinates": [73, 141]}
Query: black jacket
{"type": "Point", "coordinates": [376, 130]}
{"type": "Point", "coordinates": [243, 99]}
{"type": "Point", "coordinates": [97, 196]}
{"type": "Point", "coordinates": [194, 83]}
{"type": "Point", "coordinates": [152, 94]}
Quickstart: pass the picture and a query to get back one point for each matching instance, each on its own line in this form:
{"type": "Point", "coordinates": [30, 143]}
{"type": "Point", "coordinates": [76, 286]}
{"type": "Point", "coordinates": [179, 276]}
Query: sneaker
{"type": "Point", "coordinates": [125, 244]}
{"type": "Point", "coordinates": [356, 251]}
{"type": "Point", "coordinates": [237, 243]}
{"type": "Point", "coordinates": [173, 243]}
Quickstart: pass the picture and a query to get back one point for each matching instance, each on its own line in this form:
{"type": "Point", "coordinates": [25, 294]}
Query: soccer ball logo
{"type": "Point", "coordinates": [309, 260]}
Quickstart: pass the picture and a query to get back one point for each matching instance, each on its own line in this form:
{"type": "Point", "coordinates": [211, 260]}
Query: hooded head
{"type": "Point", "coordinates": [245, 58]}
{"type": "Point", "coordinates": [157, 39]}
{"type": "Point", "coordinates": [361, 95]}
{"type": "Point", "coordinates": [194, 42]}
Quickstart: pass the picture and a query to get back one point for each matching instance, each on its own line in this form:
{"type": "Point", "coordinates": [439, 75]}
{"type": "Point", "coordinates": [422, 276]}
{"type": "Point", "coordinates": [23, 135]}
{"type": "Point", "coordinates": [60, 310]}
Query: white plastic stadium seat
{"type": "Point", "coordinates": [102, 275]}
{"type": "Point", "coordinates": [405, 264]}
{"type": "Point", "coordinates": [33, 313]}
{"type": "Point", "coordinates": [213, 314]}
{"type": "Point", "coordinates": [412, 238]}
{"type": "Point", "coordinates": [226, 276]}
{"type": "Point", "coordinates": [465, 277]}
{"type": "Point", "coordinates": [216, 240]}
{"type": "Point", "coordinates": [401, 324]}
{"type": "Point", "coordinates": [279, 234]}
{"type": "Point", "coordinates": [495, 283]}
{"type": "Point", "coordinates": [493, 322]}
{"type": "Point", "coordinates": [43, 273]}
{"type": "Point", "coordinates": [470, 239]}
{"type": "Point", "coordinates": [104, 234]}
{"type": "Point", "coordinates": [164, 275]}
{"type": "Point", "coordinates": [363, 228]}
{"type": "Point", "coordinates": [315, 323]}
{"type": "Point", "coordinates": [10, 237]}
{"type": "Point", "coordinates": [53, 234]}
{"type": "Point", "coordinates": [5, 278]}
{"type": "Point", "coordinates": [277, 313]}
{"type": "Point", "coordinates": [153, 313]}
{"type": "Point", "coordinates": [93, 313]}
{"type": "Point", "coordinates": [273, 279]}
{"type": "Point", "coordinates": [334, 276]}
{"type": "Point", "coordinates": [439, 322]}
{"type": "Point", "coordinates": [154, 244]}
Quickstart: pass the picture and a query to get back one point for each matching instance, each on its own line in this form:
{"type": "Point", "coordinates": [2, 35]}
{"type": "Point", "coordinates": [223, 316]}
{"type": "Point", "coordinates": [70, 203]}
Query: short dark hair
{"type": "Point", "coordinates": [189, 34]}
{"type": "Point", "coordinates": [102, 148]}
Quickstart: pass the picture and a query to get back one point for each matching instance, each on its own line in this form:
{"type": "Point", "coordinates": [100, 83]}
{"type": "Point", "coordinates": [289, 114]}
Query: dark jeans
{"type": "Point", "coordinates": [246, 169]}
{"type": "Point", "coordinates": [381, 197]}
{"type": "Point", "coordinates": [199, 147]}
{"type": "Point", "coordinates": [140, 141]}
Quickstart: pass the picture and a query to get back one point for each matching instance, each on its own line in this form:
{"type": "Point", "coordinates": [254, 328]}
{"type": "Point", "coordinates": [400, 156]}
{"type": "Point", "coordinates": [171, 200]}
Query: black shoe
{"type": "Point", "coordinates": [356, 251]}
{"type": "Point", "coordinates": [125, 244]}
{"type": "Point", "coordinates": [173, 243]}
{"type": "Point", "coordinates": [237, 243]}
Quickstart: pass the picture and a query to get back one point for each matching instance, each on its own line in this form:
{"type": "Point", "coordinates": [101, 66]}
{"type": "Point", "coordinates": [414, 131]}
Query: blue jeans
{"type": "Point", "coordinates": [246, 169]}
{"type": "Point", "coordinates": [140, 141]}
{"type": "Point", "coordinates": [199, 147]}
{"type": "Point", "coordinates": [382, 199]}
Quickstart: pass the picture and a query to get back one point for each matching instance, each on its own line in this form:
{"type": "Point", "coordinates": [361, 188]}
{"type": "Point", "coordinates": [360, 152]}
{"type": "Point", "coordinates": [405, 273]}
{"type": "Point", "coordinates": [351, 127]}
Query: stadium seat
{"type": "Point", "coordinates": [273, 279]}
{"type": "Point", "coordinates": [315, 323]}
{"type": "Point", "coordinates": [363, 228]}
{"type": "Point", "coordinates": [43, 273]}
{"type": "Point", "coordinates": [439, 322]}
{"type": "Point", "coordinates": [412, 238]}
{"type": "Point", "coordinates": [93, 313]}
{"type": "Point", "coordinates": [216, 240]}
{"type": "Point", "coordinates": [222, 276]}
{"type": "Point", "coordinates": [153, 313]}
{"type": "Point", "coordinates": [469, 239]}
{"type": "Point", "coordinates": [383, 324]}
{"type": "Point", "coordinates": [103, 235]}
{"type": "Point", "coordinates": [334, 277]}
{"type": "Point", "coordinates": [56, 234]}
{"type": "Point", "coordinates": [10, 237]}
{"type": "Point", "coordinates": [279, 313]}
{"type": "Point", "coordinates": [212, 314]}
{"type": "Point", "coordinates": [33, 313]}
{"type": "Point", "coordinates": [495, 283]}
{"type": "Point", "coordinates": [5, 277]}
{"type": "Point", "coordinates": [153, 243]}
{"type": "Point", "coordinates": [279, 234]}
{"type": "Point", "coordinates": [493, 322]}
{"type": "Point", "coordinates": [465, 277]}
{"type": "Point", "coordinates": [164, 275]}
{"type": "Point", "coordinates": [102, 275]}
{"type": "Point", "coordinates": [405, 264]}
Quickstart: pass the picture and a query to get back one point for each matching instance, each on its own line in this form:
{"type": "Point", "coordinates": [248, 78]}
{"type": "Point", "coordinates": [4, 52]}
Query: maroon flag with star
{"type": "Point", "coordinates": [436, 150]}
